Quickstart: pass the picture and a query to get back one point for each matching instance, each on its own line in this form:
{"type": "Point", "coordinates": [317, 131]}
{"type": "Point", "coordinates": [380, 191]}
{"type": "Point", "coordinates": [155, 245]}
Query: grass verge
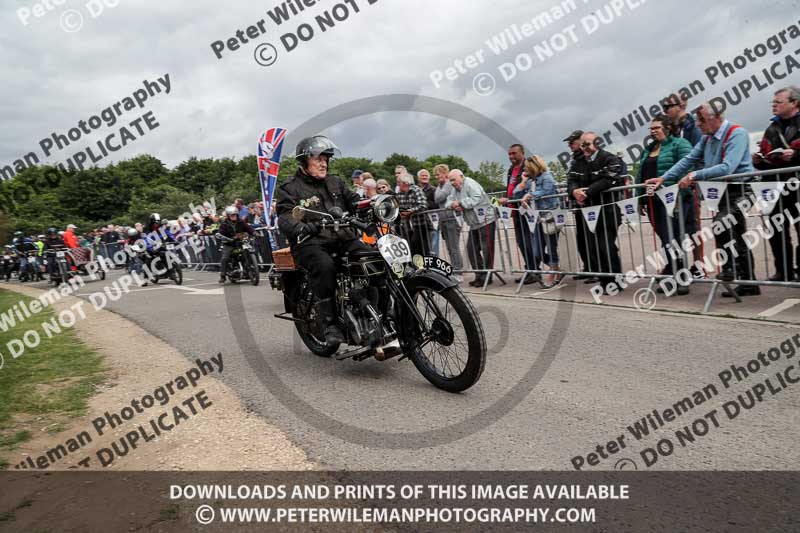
{"type": "Point", "coordinates": [50, 383]}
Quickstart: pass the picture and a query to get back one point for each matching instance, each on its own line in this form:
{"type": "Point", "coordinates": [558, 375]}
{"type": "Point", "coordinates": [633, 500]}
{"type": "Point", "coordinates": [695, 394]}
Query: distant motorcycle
{"type": "Point", "coordinates": [243, 263]}
{"type": "Point", "coordinates": [31, 272]}
{"type": "Point", "coordinates": [10, 264]}
{"type": "Point", "coordinates": [60, 271]}
{"type": "Point", "coordinates": [166, 265]}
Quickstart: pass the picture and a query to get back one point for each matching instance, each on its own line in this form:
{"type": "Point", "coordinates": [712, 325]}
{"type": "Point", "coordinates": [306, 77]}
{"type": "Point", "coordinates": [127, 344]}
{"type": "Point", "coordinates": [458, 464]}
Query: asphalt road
{"type": "Point", "coordinates": [561, 378]}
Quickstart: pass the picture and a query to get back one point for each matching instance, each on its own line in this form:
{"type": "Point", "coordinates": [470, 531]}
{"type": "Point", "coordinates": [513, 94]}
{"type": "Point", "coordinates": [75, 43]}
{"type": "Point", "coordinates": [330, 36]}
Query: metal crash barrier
{"type": "Point", "coordinates": [730, 231]}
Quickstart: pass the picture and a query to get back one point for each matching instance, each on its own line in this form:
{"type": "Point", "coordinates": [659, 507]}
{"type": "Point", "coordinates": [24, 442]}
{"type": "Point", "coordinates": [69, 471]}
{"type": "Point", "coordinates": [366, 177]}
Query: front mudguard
{"type": "Point", "coordinates": [428, 279]}
{"type": "Point", "coordinates": [410, 331]}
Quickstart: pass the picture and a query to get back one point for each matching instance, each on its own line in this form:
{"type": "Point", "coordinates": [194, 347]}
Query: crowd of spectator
{"type": "Point", "coordinates": [439, 205]}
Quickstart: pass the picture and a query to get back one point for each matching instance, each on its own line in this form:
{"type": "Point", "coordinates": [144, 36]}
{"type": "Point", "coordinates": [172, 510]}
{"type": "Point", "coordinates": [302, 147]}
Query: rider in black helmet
{"type": "Point", "coordinates": [312, 187]}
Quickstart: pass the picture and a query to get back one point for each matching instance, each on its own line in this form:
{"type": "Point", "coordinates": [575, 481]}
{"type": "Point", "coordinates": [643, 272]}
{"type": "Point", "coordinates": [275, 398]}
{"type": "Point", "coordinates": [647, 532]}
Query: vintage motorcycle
{"type": "Point", "coordinates": [10, 262]}
{"type": "Point", "coordinates": [389, 303]}
{"type": "Point", "coordinates": [166, 264]}
{"type": "Point", "coordinates": [56, 255]}
{"type": "Point", "coordinates": [243, 263]}
{"type": "Point", "coordinates": [31, 272]}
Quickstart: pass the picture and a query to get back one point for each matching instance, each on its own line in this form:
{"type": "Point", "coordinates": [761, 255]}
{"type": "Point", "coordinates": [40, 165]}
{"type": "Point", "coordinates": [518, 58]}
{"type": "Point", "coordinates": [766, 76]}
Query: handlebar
{"type": "Point", "coordinates": [345, 222]}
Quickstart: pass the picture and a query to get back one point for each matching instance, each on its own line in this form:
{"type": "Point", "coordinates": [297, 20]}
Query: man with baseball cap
{"type": "Point", "coordinates": [574, 143]}
{"type": "Point", "coordinates": [69, 236]}
{"type": "Point", "coordinates": [359, 187]}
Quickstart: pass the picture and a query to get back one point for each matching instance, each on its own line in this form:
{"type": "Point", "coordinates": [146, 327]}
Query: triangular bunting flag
{"type": "Point", "coordinates": [434, 218]}
{"type": "Point", "coordinates": [767, 195]}
{"type": "Point", "coordinates": [712, 193]}
{"type": "Point", "coordinates": [505, 216]}
{"type": "Point", "coordinates": [560, 216]}
{"type": "Point", "coordinates": [669, 197]}
{"type": "Point", "coordinates": [591, 214]}
{"type": "Point", "coordinates": [630, 209]}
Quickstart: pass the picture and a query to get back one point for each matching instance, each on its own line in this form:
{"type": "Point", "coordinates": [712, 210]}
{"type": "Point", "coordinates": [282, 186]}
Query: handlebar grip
{"type": "Point", "coordinates": [363, 226]}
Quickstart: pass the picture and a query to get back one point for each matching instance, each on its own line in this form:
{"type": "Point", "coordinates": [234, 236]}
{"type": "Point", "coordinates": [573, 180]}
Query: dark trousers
{"type": "Point", "coordinates": [317, 260]}
{"type": "Point", "coordinates": [743, 266]}
{"type": "Point", "coordinates": [781, 242]}
{"type": "Point", "coordinates": [225, 255]}
{"type": "Point", "coordinates": [662, 224]}
{"type": "Point", "coordinates": [582, 236]}
{"type": "Point", "coordinates": [601, 246]}
{"type": "Point", "coordinates": [480, 248]}
{"type": "Point", "coordinates": [524, 240]}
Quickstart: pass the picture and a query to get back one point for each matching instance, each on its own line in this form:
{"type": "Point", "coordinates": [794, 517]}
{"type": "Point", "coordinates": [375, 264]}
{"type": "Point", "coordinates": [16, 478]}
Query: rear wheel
{"type": "Point", "coordinates": [309, 334]}
{"type": "Point", "coordinates": [454, 356]}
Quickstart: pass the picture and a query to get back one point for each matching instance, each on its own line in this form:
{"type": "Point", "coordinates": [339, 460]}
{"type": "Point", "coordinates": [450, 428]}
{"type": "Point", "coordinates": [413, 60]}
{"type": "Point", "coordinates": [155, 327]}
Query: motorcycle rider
{"type": "Point", "coordinates": [23, 245]}
{"type": "Point", "coordinates": [39, 243]}
{"type": "Point", "coordinates": [231, 227]}
{"type": "Point", "coordinates": [134, 261]}
{"type": "Point", "coordinates": [157, 233]}
{"type": "Point", "coordinates": [52, 240]}
{"type": "Point", "coordinates": [312, 188]}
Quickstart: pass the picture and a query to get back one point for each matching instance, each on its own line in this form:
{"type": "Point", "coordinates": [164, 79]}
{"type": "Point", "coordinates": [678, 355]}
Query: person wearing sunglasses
{"type": "Point", "coordinates": [588, 180]}
{"type": "Point", "coordinates": [674, 107]}
{"type": "Point", "coordinates": [384, 187]}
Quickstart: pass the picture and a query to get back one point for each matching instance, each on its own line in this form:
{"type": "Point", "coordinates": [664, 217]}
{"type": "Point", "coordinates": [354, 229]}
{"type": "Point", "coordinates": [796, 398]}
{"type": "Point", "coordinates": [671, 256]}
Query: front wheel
{"type": "Point", "coordinates": [453, 356]}
{"type": "Point", "coordinates": [255, 276]}
{"type": "Point", "coordinates": [177, 274]}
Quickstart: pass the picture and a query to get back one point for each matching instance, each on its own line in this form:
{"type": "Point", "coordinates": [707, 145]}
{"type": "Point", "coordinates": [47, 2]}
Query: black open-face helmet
{"type": "Point", "coordinates": [314, 146]}
{"type": "Point", "coordinates": [52, 231]}
{"type": "Point", "coordinates": [155, 218]}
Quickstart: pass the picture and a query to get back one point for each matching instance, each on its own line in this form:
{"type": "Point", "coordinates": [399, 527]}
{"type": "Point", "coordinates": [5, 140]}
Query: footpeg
{"type": "Point", "coordinates": [388, 351]}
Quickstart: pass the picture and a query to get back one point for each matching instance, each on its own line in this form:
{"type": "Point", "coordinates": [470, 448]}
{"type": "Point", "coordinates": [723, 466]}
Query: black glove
{"type": "Point", "coordinates": [309, 229]}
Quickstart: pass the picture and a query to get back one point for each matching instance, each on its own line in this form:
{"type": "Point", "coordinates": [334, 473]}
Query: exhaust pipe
{"type": "Point", "coordinates": [388, 351]}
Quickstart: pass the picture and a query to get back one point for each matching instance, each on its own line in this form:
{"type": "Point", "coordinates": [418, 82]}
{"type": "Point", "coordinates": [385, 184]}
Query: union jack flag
{"type": "Point", "coordinates": [270, 145]}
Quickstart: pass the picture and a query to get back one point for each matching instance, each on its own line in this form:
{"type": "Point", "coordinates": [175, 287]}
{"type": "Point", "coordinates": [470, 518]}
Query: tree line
{"type": "Point", "coordinates": [128, 191]}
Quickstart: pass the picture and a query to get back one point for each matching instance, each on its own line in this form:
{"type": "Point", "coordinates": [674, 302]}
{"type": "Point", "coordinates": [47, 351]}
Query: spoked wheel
{"type": "Point", "coordinates": [255, 275]}
{"type": "Point", "coordinates": [454, 355]}
{"type": "Point", "coordinates": [177, 274]}
{"type": "Point", "coordinates": [313, 339]}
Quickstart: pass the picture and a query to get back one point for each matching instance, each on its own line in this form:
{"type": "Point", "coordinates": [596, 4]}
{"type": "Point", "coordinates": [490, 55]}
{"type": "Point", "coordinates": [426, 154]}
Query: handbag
{"type": "Point", "coordinates": [548, 223]}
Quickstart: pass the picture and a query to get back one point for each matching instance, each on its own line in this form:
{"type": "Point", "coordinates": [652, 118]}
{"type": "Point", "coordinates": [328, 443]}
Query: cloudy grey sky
{"type": "Point", "coordinates": [52, 78]}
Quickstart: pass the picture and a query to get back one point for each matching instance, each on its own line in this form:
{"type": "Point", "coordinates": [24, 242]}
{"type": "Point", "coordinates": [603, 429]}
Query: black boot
{"type": "Point", "coordinates": [326, 314]}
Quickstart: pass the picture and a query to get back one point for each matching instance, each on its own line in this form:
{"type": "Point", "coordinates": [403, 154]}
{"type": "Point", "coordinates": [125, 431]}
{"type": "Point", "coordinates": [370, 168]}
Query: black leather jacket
{"type": "Point", "coordinates": [596, 176]}
{"type": "Point", "coordinates": [316, 194]}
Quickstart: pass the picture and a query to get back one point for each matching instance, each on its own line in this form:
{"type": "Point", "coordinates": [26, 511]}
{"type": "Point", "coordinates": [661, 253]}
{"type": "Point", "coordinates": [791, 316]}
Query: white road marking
{"type": "Point", "coordinates": [202, 292]}
{"type": "Point", "coordinates": [783, 306]}
{"type": "Point", "coordinates": [148, 289]}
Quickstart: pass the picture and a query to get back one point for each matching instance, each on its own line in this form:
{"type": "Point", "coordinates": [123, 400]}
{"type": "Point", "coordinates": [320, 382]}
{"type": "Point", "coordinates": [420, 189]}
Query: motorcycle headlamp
{"type": "Point", "coordinates": [386, 208]}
